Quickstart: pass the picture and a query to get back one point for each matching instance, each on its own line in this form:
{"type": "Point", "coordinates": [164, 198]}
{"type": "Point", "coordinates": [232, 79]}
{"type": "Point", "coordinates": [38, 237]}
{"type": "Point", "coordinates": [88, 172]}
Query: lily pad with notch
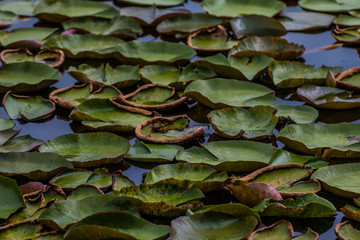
{"type": "Point", "coordinates": [297, 114]}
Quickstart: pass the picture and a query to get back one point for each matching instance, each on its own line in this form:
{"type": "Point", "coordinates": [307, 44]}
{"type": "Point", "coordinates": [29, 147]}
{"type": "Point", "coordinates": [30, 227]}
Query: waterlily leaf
{"type": "Point", "coordinates": [146, 152]}
{"type": "Point", "coordinates": [82, 45]}
{"type": "Point", "coordinates": [345, 231]}
{"type": "Point", "coordinates": [22, 230]}
{"type": "Point", "coordinates": [234, 156]}
{"type": "Point", "coordinates": [120, 76]}
{"type": "Point", "coordinates": [187, 175]}
{"type": "Point", "coordinates": [120, 180]}
{"type": "Point", "coordinates": [36, 166]}
{"type": "Point", "coordinates": [255, 123]}
{"type": "Point", "coordinates": [6, 124]}
{"type": "Point", "coordinates": [51, 236]}
{"type": "Point", "coordinates": [144, 53]}
{"type": "Point", "coordinates": [274, 47]}
{"type": "Point", "coordinates": [30, 213]}
{"type": "Point", "coordinates": [102, 114]}
{"type": "Point", "coordinates": [328, 97]}
{"type": "Point", "coordinates": [187, 23]}
{"type": "Point", "coordinates": [286, 74]}
{"type": "Point", "coordinates": [312, 139]}
{"type": "Point", "coordinates": [349, 79]}
{"type": "Point", "coordinates": [31, 38]}
{"type": "Point", "coordinates": [305, 21]}
{"type": "Point", "coordinates": [63, 214]}
{"type": "Point", "coordinates": [329, 5]}
{"type": "Point", "coordinates": [346, 20]}
{"type": "Point", "coordinates": [116, 225]}
{"type": "Point", "coordinates": [297, 114]}
{"type": "Point", "coordinates": [351, 212]}
{"type": "Point", "coordinates": [151, 16]}
{"type": "Point", "coordinates": [7, 18]}
{"type": "Point", "coordinates": [7, 135]}
{"type": "Point", "coordinates": [161, 199]}
{"type": "Point", "coordinates": [256, 25]}
{"type": "Point", "coordinates": [281, 230]}
{"type": "Point", "coordinates": [243, 68]}
{"type": "Point", "coordinates": [340, 179]}
{"type": "Point", "coordinates": [22, 8]}
{"type": "Point", "coordinates": [28, 108]}
{"type": "Point", "coordinates": [24, 143]}
{"type": "Point", "coordinates": [347, 35]}
{"type": "Point", "coordinates": [309, 235]}
{"type": "Point", "coordinates": [88, 149]}
{"type": "Point", "coordinates": [12, 198]}
{"type": "Point", "coordinates": [237, 8]}
{"type": "Point", "coordinates": [62, 10]}
{"type": "Point", "coordinates": [214, 93]}
{"type": "Point", "coordinates": [306, 206]}
{"type": "Point", "coordinates": [160, 3]}
{"type": "Point", "coordinates": [25, 77]}
{"type": "Point", "coordinates": [283, 157]}
{"type": "Point", "coordinates": [71, 178]}
{"type": "Point", "coordinates": [84, 191]}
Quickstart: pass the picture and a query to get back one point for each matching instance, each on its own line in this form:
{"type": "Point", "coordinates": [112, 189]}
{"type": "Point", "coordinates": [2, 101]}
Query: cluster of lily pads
{"type": "Point", "coordinates": [228, 65]}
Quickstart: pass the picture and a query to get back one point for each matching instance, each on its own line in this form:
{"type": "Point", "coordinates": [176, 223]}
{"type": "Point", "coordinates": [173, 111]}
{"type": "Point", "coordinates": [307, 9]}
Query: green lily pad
{"type": "Point", "coordinates": [160, 199]}
{"type": "Point", "coordinates": [305, 21]}
{"type": "Point", "coordinates": [187, 175]}
{"type": "Point", "coordinates": [286, 74]}
{"type": "Point", "coordinates": [151, 16]}
{"type": "Point", "coordinates": [116, 225]}
{"type": "Point", "coordinates": [24, 230]}
{"type": "Point", "coordinates": [234, 156]}
{"type": "Point", "coordinates": [7, 18]}
{"type": "Point", "coordinates": [62, 214]}
{"type": "Point", "coordinates": [25, 77]}
{"type": "Point", "coordinates": [254, 123]}
{"type": "Point", "coordinates": [351, 35]}
{"type": "Point", "coordinates": [88, 149]}
{"type": "Point", "coordinates": [220, 92]}
{"type": "Point", "coordinates": [329, 5]}
{"type": "Point", "coordinates": [120, 76]}
{"type": "Point", "coordinates": [28, 108]}
{"type": "Point", "coordinates": [297, 114]}
{"type": "Point", "coordinates": [84, 191]}
{"type": "Point", "coordinates": [12, 198]}
{"type": "Point", "coordinates": [6, 124]}
{"type": "Point", "coordinates": [118, 26]}
{"type": "Point", "coordinates": [349, 79]}
{"type": "Point", "coordinates": [144, 53]}
{"type": "Point", "coordinates": [160, 3]}
{"type": "Point", "coordinates": [187, 23]}
{"type": "Point", "coordinates": [309, 235]}
{"type": "Point", "coordinates": [36, 166]}
{"type": "Point", "coordinates": [102, 114]}
{"type": "Point", "coordinates": [73, 96]}
{"type": "Point", "coordinates": [242, 68]}
{"type": "Point", "coordinates": [82, 45]}
{"type": "Point", "coordinates": [21, 8]}
{"type": "Point", "coordinates": [62, 10]}
{"type": "Point", "coordinates": [340, 179]}
{"type": "Point", "coordinates": [346, 20]}
{"type": "Point", "coordinates": [31, 38]}
{"type": "Point", "coordinates": [312, 139]}
{"type": "Point", "coordinates": [351, 212]}
{"type": "Point", "coordinates": [24, 143]}
{"type": "Point", "coordinates": [147, 152]}
{"type": "Point", "coordinates": [120, 180]}
{"type": "Point", "coordinates": [275, 47]}
{"type": "Point", "coordinates": [346, 231]}
{"type": "Point", "coordinates": [281, 230]}
{"type": "Point", "coordinates": [256, 25]}
{"type": "Point", "coordinates": [237, 8]}
{"type": "Point", "coordinates": [306, 206]}
{"type": "Point", "coordinates": [284, 157]}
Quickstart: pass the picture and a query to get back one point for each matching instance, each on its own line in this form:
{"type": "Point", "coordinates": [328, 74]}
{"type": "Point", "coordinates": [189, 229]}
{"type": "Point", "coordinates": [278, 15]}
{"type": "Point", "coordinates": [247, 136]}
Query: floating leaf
{"type": "Point", "coordinates": [347, 35]}
{"type": "Point", "coordinates": [24, 143]}
{"type": "Point", "coordinates": [346, 20]}
{"type": "Point", "coordinates": [284, 157]}
{"type": "Point", "coordinates": [298, 114]}
{"type": "Point", "coordinates": [305, 21]}
{"type": "Point", "coordinates": [345, 231]}
{"type": "Point", "coordinates": [351, 212]}
{"type": "Point", "coordinates": [7, 18]}
{"type": "Point", "coordinates": [329, 5]}
{"type": "Point", "coordinates": [12, 198]}
{"type": "Point", "coordinates": [281, 230]}
{"type": "Point", "coordinates": [22, 230]}
{"type": "Point", "coordinates": [349, 79]}
{"type": "Point", "coordinates": [22, 8]}
{"type": "Point", "coordinates": [160, 3]}
{"type": "Point", "coordinates": [120, 180]}
{"type": "Point", "coordinates": [6, 124]}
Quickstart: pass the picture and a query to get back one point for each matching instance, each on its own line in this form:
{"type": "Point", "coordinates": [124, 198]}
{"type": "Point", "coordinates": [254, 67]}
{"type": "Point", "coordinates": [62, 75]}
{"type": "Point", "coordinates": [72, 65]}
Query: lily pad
{"type": "Point", "coordinates": [24, 143]}
{"type": "Point", "coordinates": [102, 114]}
{"type": "Point", "coordinates": [255, 123]}
{"type": "Point", "coordinates": [349, 79]}
{"type": "Point", "coordinates": [345, 231]}
{"type": "Point", "coordinates": [147, 152]}
{"type": "Point", "coordinates": [242, 68]}
{"type": "Point", "coordinates": [274, 47]}
{"type": "Point", "coordinates": [340, 179]}
{"type": "Point", "coordinates": [6, 124]}
{"type": "Point", "coordinates": [116, 225]}
{"type": "Point", "coordinates": [62, 10]}
{"type": "Point", "coordinates": [28, 108]}
{"type": "Point", "coordinates": [21, 8]}
{"type": "Point", "coordinates": [329, 5]}
{"type": "Point", "coordinates": [88, 149]}
{"type": "Point", "coordinates": [234, 156]}
{"type": "Point", "coordinates": [237, 8]}
{"type": "Point", "coordinates": [187, 175]}
{"type": "Point", "coordinates": [63, 214]}
{"type": "Point", "coordinates": [12, 198]}
{"type": "Point", "coordinates": [25, 77]}
{"type": "Point", "coordinates": [297, 114]}
{"type": "Point", "coordinates": [34, 165]}
{"type": "Point", "coordinates": [346, 20]}
{"type": "Point", "coordinates": [256, 25]}
{"type": "Point", "coordinates": [7, 18]}
{"type": "Point", "coordinates": [305, 21]}
{"type": "Point", "coordinates": [120, 76]}
{"type": "Point", "coordinates": [82, 45]}
{"type": "Point", "coordinates": [187, 23]}
{"type": "Point", "coordinates": [22, 230]}
{"type": "Point", "coordinates": [214, 93]}
{"type": "Point", "coordinates": [161, 199]}
{"type": "Point", "coordinates": [167, 130]}
{"type": "Point", "coordinates": [341, 139]}
{"type": "Point", "coordinates": [84, 191]}
{"type": "Point", "coordinates": [120, 180]}
{"type": "Point", "coordinates": [287, 74]}
{"type": "Point", "coordinates": [124, 27]}
{"type": "Point", "coordinates": [281, 230]}
{"type": "Point", "coordinates": [351, 212]}
{"type": "Point", "coordinates": [160, 3]}
{"type": "Point", "coordinates": [347, 35]}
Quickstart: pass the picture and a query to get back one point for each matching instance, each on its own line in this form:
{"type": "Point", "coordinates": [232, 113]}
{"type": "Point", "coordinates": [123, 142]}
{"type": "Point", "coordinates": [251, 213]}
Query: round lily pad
{"type": "Point", "coordinates": [347, 35]}
{"type": "Point", "coordinates": [88, 149]}
{"type": "Point", "coordinates": [329, 5]}
{"type": "Point", "coordinates": [12, 198]}
{"type": "Point", "coordinates": [346, 20]}
{"type": "Point", "coordinates": [345, 231]}
{"type": "Point", "coordinates": [298, 114]}
{"type": "Point", "coordinates": [305, 21]}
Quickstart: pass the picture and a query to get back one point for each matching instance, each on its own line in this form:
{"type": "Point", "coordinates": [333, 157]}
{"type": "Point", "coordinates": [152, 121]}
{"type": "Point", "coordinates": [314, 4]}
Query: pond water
{"type": "Point", "coordinates": [346, 57]}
